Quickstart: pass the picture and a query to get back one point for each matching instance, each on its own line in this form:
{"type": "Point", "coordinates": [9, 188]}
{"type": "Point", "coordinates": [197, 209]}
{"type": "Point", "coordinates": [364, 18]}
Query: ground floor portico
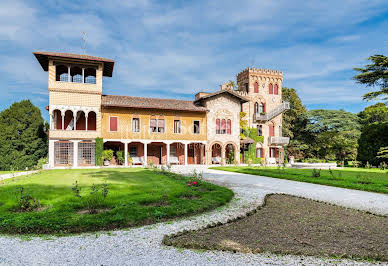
{"type": "Point", "coordinates": [139, 152]}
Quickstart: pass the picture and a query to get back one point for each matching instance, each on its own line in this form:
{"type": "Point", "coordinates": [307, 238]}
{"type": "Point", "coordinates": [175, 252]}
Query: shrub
{"type": "Point", "coordinates": [95, 200]}
{"type": "Point", "coordinates": [41, 162]}
{"type": "Point", "coordinates": [316, 173]}
{"type": "Point", "coordinates": [99, 151]}
{"type": "Point", "coordinates": [76, 189]}
{"type": "Point", "coordinates": [26, 202]}
{"type": "Point", "coordinates": [367, 165]}
{"type": "Point", "coordinates": [383, 165]}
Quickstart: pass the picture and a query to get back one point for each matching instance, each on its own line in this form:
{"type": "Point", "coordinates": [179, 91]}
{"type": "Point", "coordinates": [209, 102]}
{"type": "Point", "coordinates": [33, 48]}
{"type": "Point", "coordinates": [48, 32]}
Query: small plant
{"type": "Point", "coordinates": [120, 157]}
{"type": "Point", "coordinates": [367, 165]}
{"type": "Point", "coordinates": [105, 190]}
{"type": "Point", "coordinates": [168, 167]}
{"type": "Point", "coordinates": [331, 173]}
{"type": "Point", "coordinates": [150, 164]}
{"type": "Point", "coordinates": [107, 155]}
{"type": "Point", "coordinates": [76, 189]}
{"type": "Point", "coordinates": [26, 202]}
{"type": "Point", "coordinates": [383, 165]}
{"type": "Point", "coordinates": [316, 173]}
{"type": "Point", "coordinates": [130, 160]}
{"type": "Point", "coordinates": [356, 164]}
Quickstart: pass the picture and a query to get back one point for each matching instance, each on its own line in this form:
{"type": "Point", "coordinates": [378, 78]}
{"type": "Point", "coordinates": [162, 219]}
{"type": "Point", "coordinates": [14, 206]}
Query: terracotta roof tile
{"type": "Point", "coordinates": [43, 60]}
{"type": "Point", "coordinates": [150, 103]}
{"type": "Point", "coordinates": [235, 94]}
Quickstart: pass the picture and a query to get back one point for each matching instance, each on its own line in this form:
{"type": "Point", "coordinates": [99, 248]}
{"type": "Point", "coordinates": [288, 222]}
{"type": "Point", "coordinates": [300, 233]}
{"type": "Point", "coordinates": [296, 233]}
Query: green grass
{"type": "Point", "coordinates": [374, 180]}
{"type": "Point", "coordinates": [8, 172]}
{"type": "Point", "coordinates": [136, 197]}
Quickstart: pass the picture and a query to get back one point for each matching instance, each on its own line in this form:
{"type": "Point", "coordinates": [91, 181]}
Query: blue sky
{"type": "Point", "coordinates": [172, 49]}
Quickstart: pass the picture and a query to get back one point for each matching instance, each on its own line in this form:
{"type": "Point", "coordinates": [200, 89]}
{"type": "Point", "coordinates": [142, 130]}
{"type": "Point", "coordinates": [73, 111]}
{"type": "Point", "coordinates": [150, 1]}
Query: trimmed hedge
{"type": "Point", "coordinates": [99, 151]}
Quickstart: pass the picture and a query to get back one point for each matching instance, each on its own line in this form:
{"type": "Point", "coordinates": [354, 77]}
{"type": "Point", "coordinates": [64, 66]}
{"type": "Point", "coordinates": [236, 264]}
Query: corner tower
{"type": "Point", "coordinates": [75, 89]}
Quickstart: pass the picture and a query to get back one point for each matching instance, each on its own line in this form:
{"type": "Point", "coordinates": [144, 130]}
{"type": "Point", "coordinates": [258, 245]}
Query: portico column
{"type": "Point", "coordinates": [75, 121]}
{"type": "Point", "coordinates": [145, 153]}
{"type": "Point", "coordinates": [51, 121]}
{"type": "Point", "coordinates": [126, 154]}
{"type": "Point", "coordinates": [75, 153]}
{"type": "Point", "coordinates": [168, 153]}
{"type": "Point", "coordinates": [68, 74]}
{"type": "Point", "coordinates": [86, 125]}
{"type": "Point", "coordinates": [223, 155]}
{"type": "Point", "coordinates": [63, 121]}
{"type": "Point", "coordinates": [185, 153]}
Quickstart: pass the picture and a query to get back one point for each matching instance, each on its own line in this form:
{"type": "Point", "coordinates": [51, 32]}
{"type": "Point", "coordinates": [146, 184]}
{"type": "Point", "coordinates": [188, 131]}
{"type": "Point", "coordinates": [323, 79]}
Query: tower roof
{"type": "Point", "coordinates": [43, 58]}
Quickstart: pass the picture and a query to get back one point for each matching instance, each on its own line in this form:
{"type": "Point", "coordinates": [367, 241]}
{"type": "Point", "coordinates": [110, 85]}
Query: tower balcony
{"type": "Point", "coordinates": [273, 113]}
{"type": "Point", "coordinates": [278, 140]}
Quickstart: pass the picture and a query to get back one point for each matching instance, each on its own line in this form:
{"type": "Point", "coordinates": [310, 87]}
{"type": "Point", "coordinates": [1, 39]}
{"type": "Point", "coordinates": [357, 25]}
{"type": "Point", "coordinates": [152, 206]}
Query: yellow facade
{"type": "Point", "coordinates": [124, 128]}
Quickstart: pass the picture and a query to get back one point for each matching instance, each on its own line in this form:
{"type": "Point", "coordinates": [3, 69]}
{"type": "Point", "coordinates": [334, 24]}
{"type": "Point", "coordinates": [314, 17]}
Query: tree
{"type": "Point", "coordinates": [295, 117]}
{"type": "Point", "coordinates": [374, 113]}
{"type": "Point", "coordinates": [294, 124]}
{"type": "Point", "coordinates": [374, 75]}
{"type": "Point", "coordinates": [373, 137]}
{"type": "Point", "coordinates": [22, 138]}
{"type": "Point", "coordinates": [334, 134]}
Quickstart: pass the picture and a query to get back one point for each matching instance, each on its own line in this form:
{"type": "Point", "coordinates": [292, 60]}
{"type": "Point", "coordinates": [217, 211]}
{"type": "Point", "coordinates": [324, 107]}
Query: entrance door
{"type": "Point", "coordinates": [190, 154]}
{"type": "Point", "coordinates": [155, 154]}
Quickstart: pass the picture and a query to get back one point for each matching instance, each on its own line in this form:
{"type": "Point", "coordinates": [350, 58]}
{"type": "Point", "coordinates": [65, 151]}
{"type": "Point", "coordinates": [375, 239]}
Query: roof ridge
{"type": "Point", "coordinates": [154, 98]}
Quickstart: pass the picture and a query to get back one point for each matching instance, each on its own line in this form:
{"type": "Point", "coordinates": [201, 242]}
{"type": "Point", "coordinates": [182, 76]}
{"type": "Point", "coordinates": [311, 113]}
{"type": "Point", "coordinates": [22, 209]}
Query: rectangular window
{"type": "Point", "coordinates": [223, 126]}
{"type": "Point", "coordinates": [228, 126]}
{"type": "Point", "coordinates": [271, 130]}
{"type": "Point", "coordinates": [86, 153]}
{"type": "Point", "coordinates": [113, 121]}
{"type": "Point", "coordinates": [135, 125]}
{"type": "Point", "coordinates": [218, 126]}
{"type": "Point", "coordinates": [157, 125]}
{"type": "Point", "coordinates": [196, 127]}
{"type": "Point", "coordinates": [259, 130]}
{"type": "Point", "coordinates": [63, 152]}
{"type": "Point", "coordinates": [177, 126]}
{"type": "Point", "coordinates": [133, 151]}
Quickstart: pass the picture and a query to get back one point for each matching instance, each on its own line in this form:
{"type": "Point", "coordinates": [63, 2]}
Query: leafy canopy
{"type": "Point", "coordinates": [23, 140]}
{"type": "Point", "coordinates": [374, 75]}
{"type": "Point", "coordinates": [374, 113]}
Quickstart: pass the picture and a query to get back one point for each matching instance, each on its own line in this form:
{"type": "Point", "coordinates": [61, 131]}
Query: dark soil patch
{"type": "Point", "coordinates": [156, 204]}
{"type": "Point", "coordinates": [292, 225]}
{"type": "Point", "coordinates": [96, 211]}
{"type": "Point", "coordinates": [190, 197]}
{"type": "Point", "coordinates": [38, 209]}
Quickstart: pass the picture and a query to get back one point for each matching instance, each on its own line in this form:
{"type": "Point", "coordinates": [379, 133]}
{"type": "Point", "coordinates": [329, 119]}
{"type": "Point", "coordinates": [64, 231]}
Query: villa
{"type": "Point", "coordinates": [205, 130]}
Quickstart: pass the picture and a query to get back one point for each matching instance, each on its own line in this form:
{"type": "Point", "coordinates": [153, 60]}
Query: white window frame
{"type": "Point", "coordinates": [199, 127]}
{"type": "Point", "coordinates": [180, 126]}
{"type": "Point", "coordinates": [157, 127]}
{"type": "Point", "coordinates": [138, 125]}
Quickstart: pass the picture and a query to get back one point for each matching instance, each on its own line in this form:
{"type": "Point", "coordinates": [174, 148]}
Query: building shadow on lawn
{"type": "Point", "coordinates": [291, 225]}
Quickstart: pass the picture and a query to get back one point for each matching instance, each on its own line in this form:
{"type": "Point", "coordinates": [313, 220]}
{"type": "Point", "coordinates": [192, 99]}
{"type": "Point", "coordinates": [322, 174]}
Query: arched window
{"type": "Point", "coordinates": [90, 75]}
{"type": "Point", "coordinates": [276, 89]}
{"type": "Point", "coordinates": [228, 126]}
{"type": "Point", "coordinates": [76, 74]}
{"type": "Point", "coordinates": [92, 121]}
{"type": "Point", "coordinates": [261, 108]}
{"type": "Point", "coordinates": [256, 108]}
{"type": "Point", "coordinates": [61, 73]}
{"type": "Point", "coordinates": [218, 126]}
{"type": "Point", "coordinates": [223, 126]}
{"type": "Point", "coordinates": [256, 87]}
{"type": "Point", "coordinates": [69, 120]}
{"type": "Point", "coordinates": [270, 87]}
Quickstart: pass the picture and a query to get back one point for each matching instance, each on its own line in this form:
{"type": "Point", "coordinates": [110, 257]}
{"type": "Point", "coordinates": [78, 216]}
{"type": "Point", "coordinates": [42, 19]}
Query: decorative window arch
{"type": "Point", "coordinates": [262, 108]}
{"type": "Point", "coordinates": [218, 126]}
{"type": "Point", "coordinates": [76, 74]}
{"type": "Point", "coordinates": [90, 75]}
{"type": "Point", "coordinates": [270, 88]}
{"type": "Point", "coordinates": [276, 89]}
{"type": "Point", "coordinates": [223, 126]}
{"type": "Point", "coordinates": [228, 126]}
{"type": "Point", "coordinates": [256, 87]}
{"type": "Point", "coordinates": [257, 107]}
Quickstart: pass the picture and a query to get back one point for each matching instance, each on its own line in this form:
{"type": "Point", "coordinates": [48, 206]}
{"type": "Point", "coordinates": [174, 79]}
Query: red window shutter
{"type": "Point", "coordinates": [271, 130]}
{"type": "Point", "coordinates": [113, 123]}
{"type": "Point", "coordinates": [229, 127]}
{"type": "Point", "coordinates": [223, 125]}
{"type": "Point", "coordinates": [217, 126]}
{"type": "Point", "coordinates": [264, 107]}
{"type": "Point", "coordinates": [256, 87]}
{"type": "Point", "coordinates": [270, 88]}
{"type": "Point", "coordinates": [276, 90]}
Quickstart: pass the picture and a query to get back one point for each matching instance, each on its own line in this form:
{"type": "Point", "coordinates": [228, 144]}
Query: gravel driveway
{"type": "Point", "coordinates": [142, 246]}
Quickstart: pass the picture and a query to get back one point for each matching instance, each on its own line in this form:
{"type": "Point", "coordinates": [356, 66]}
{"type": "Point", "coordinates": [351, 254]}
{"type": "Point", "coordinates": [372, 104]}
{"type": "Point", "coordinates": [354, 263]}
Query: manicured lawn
{"type": "Point", "coordinates": [8, 172]}
{"type": "Point", "coordinates": [136, 197]}
{"type": "Point", "coordinates": [292, 225]}
{"type": "Point", "coordinates": [374, 180]}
